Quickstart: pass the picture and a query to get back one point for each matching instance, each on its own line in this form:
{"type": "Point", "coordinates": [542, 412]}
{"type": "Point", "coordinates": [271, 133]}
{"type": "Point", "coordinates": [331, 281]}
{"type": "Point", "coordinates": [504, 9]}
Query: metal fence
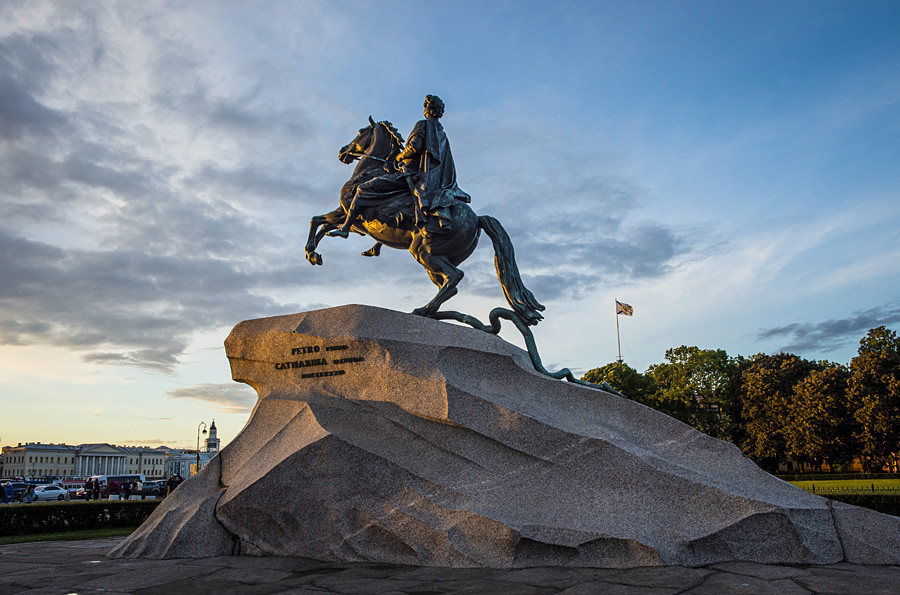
{"type": "Point", "coordinates": [873, 489]}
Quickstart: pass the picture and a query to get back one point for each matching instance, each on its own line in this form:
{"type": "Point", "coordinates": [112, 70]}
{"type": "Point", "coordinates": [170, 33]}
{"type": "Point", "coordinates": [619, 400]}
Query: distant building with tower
{"type": "Point", "coordinates": [212, 442]}
{"type": "Point", "coordinates": [35, 460]}
{"type": "Point", "coordinates": [184, 462]}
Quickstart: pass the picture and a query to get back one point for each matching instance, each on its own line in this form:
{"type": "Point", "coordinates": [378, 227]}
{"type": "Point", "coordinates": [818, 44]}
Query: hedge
{"type": "Point", "coordinates": [23, 519]}
{"type": "Point", "coordinates": [835, 476]}
{"type": "Point", "coordinates": [886, 503]}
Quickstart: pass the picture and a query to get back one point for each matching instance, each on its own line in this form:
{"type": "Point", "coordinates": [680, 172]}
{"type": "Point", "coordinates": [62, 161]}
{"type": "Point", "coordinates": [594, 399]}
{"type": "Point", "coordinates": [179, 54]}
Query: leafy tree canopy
{"type": "Point", "coordinates": [695, 386]}
{"type": "Point", "coordinates": [623, 378]}
{"type": "Point", "coordinates": [875, 397]}
{"type": "Point", "coordinates": [767, 393]}
{"type": "Point", "coordinates": [822, 427]}
{"type": "Point", "coordinates": [880, 340]}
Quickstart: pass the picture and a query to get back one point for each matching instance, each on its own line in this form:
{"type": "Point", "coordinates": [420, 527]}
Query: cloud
{"type": "Point", "coordinates": [228, 398]}
{"type": "Point", "coordinates": [154, 191]}
{"type": "Point", "coordinates": [831, 335]}
{"type": "Point", "coordinates": [23, 72]}
{"type": "Point", "coordinates": [146, 306]}
{"type": "Point", "coordinates": [572, 218]}
{"type": "Point", "coordinates": [113, 241]}
{"type": "Point", "coordinates": [150, 442]}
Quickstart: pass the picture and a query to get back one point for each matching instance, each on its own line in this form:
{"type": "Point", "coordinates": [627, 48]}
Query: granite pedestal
{"type": "Point", "coordinates": [385, 437]}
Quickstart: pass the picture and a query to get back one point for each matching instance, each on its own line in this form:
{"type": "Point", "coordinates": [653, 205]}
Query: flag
{"type": "Point", "coordinates": [624, 309]}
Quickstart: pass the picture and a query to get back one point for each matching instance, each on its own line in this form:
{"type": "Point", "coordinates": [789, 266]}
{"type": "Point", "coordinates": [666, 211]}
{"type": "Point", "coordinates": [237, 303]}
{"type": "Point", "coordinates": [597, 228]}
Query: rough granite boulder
{"type": "Point", "coordinates": [382, 436]}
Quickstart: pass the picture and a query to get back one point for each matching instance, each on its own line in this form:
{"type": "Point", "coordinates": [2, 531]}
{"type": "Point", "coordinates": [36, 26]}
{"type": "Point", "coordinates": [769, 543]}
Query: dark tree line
{"type": "Point", "coordinates": [780, 409]}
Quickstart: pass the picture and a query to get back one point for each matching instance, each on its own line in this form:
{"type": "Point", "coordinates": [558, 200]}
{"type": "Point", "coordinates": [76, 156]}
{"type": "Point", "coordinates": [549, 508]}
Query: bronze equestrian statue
{"type": "Point", "coordinates": [406, 196]}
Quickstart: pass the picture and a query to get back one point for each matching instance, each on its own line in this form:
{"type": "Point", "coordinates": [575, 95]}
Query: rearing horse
{"type": "Point", "coordinates": [390, 222]}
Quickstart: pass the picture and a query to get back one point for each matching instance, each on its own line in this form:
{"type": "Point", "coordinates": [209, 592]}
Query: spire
{"type": "Point", "coordinates": [212, 442]}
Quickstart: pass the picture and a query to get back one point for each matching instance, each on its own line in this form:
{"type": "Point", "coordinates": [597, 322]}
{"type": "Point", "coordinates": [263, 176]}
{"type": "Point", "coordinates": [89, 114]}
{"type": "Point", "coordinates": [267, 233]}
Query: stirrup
{"type": "Point", "coordinates": [338, 233]}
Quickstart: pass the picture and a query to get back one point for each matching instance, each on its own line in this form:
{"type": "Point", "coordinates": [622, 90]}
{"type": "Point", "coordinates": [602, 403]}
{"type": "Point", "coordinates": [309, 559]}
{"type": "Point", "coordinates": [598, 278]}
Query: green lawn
{"type": "Point", "coordinates": [893, 484]}
{"type": "Point", "coordinates": [68, 535]}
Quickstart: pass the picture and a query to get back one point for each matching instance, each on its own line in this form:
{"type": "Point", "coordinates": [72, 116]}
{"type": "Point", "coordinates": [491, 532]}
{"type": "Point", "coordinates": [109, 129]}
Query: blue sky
{"type": "Point", "coordinates": [727, 168]}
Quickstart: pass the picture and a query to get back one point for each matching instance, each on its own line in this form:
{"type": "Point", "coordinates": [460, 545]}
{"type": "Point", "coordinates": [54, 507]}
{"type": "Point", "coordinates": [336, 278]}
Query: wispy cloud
{"type": "Point", "coordinates": [831, 334]}
{"type": "Point", "coordinates": [228, 398]}
{"type": "Point", "coordinates": [150, 442]}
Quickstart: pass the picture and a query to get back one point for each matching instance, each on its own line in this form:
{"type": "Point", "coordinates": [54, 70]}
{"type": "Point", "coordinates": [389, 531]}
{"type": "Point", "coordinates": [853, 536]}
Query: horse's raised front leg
{"type": "Point", "coordinates": [318, 227]}
{"type": "Point", "coordinates": [374, 250]}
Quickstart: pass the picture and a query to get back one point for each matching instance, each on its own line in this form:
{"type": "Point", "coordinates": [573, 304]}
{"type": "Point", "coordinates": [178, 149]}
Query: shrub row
{"type": "Point", "coordinates": [886, 503]}
{"type": "Point", "coordinates": [835, 476]}
{"type": "Point", "coordinates": [23, 519]}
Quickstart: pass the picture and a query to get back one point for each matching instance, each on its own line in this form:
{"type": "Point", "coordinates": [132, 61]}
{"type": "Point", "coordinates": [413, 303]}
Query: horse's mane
{"type": "Point", "coordinates": [393, 131]}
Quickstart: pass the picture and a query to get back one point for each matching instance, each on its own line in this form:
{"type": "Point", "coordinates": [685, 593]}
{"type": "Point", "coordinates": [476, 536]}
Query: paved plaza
{"type": "Point", "coordinates": [62, 567]}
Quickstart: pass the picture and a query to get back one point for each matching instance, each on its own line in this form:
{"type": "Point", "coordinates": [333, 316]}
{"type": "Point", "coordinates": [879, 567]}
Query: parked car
{"type": "Point", "coordinates": [19, 488]}
{"type": "Point", "coordinates": [154, 488]}
{"type": "Point", "coordinates": [49, 492]}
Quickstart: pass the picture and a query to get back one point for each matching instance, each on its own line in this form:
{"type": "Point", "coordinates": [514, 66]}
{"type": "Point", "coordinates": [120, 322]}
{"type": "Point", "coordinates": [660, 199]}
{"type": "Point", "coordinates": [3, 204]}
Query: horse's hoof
{"type": "Point", "coordinates": [423, 311]}
{"type": "Point", "coordinates": [314, 258]}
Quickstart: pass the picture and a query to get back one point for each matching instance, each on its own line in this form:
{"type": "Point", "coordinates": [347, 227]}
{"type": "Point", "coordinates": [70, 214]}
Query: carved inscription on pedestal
{"type": "Point", "coordinates": [319, 356]}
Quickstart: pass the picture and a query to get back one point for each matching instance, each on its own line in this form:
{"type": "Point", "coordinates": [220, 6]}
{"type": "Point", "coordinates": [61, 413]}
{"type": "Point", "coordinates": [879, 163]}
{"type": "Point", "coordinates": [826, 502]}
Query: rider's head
{"type": "Point", "coordinates": [434, 107]}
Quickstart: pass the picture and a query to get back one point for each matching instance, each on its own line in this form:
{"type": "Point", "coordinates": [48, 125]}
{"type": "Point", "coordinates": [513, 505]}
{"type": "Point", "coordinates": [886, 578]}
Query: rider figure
{"type": "Point", "coordinates": [427, 158]}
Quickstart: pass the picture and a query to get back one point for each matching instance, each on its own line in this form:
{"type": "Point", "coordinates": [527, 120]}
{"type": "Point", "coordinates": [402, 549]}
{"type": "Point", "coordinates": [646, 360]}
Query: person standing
{"type": "Point", "coordinates": [95, 488]}
{"type": "Point", "coordinates": [29, 495]}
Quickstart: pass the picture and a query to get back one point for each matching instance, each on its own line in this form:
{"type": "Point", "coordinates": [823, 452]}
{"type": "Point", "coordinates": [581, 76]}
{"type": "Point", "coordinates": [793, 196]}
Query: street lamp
{"type": "Point", "coordinates": [203, 425]}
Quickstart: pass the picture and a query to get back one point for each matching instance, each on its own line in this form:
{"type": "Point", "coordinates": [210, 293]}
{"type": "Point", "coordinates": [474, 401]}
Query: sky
{"type": "Point", "coordinates": [729, 169]}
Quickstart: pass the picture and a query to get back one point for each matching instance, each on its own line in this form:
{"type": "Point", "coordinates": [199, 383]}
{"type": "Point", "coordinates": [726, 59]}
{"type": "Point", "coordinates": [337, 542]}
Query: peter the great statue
{"type": "Point", "coordinates": [405, 195]}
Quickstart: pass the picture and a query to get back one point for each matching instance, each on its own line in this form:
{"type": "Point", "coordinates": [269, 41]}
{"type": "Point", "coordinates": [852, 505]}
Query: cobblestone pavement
{"type": "Point", "coordinates": [82, 567]}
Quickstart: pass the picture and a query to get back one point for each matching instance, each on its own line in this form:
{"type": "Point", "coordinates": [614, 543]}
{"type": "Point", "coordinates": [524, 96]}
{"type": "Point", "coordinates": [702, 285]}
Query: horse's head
{"type": "Point", "coordinates": [378, 139]}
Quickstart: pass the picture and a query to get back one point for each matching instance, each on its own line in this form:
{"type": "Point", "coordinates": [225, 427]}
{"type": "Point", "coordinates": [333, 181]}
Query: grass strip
{"type": "Point", "coordinates": [78, 535]}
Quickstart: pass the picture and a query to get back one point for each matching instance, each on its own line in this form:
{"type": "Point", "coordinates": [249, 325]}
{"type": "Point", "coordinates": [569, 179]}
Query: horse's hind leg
{"type": "Point", "coordinates": [443, 274]}
{"type": "Point", "coordinates": [326, 222]}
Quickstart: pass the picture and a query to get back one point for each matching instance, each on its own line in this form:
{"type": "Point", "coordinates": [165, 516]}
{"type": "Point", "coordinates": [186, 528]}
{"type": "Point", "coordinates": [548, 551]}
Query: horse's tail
{"type": "Point", "coordinates": [522, 301]}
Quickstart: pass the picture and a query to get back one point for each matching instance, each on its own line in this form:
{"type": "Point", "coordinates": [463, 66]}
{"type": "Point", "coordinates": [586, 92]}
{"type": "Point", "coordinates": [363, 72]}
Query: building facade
{"type": "Point", "coordinates": [35, 460]}
{"type": "Point", "coordinates": [184, 462]}
{"type": "Point", "coordinates": [149, 461]}
{"type": "Point", "coordinates": [39, 460]}
{"type": "Point", "coordinates": [57, 461]}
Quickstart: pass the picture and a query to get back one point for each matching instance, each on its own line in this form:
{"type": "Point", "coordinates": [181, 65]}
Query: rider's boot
{"type": "Point", "coordinates": [341, 232]}
{"type": "Point", "coordinates": [374, 250]}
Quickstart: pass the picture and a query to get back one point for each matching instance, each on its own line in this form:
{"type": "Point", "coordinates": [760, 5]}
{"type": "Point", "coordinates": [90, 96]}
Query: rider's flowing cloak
{"type": "Point", "coordinates": [436, 187]}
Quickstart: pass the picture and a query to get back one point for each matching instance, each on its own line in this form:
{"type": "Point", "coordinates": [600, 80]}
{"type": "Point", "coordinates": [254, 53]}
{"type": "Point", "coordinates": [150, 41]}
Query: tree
{"type": "Point", "coordinates": [823, 428]}
{"type": "Point", "coordinates": [696, 386]}
{"type": "Point", "coordinates": [623, 378]}
{"type": "Point", "coordinates": [880, 340]}
{"type": "Point", "coordinates": [767, 395]}
{"type": "Point", "coordinates": [875, 394]}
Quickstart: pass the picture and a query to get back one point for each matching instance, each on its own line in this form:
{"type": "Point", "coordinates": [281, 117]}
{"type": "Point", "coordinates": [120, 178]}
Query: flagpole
{"type": "Point", "coordinates": [618, 342]}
